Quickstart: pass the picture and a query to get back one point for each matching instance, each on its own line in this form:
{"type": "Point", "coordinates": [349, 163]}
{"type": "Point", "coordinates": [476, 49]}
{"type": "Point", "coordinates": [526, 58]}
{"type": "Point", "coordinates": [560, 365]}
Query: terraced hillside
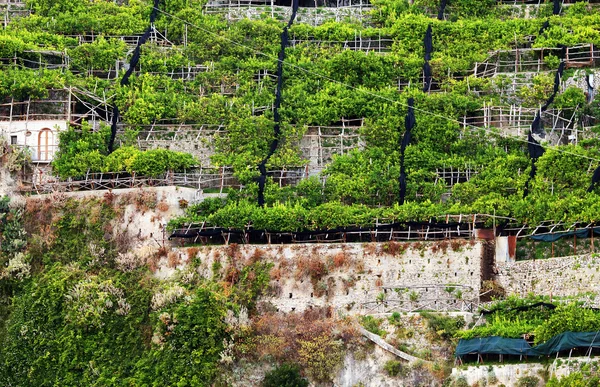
{"type": "Point", "coordinates": [314, 121]}
{"type": "Point", "coordinates": [205, 84]}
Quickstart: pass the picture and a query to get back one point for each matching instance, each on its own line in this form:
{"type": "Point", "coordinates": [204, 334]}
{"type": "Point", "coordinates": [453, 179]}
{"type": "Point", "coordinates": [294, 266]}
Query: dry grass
{"type": "Point", "coordinates": [311, 267]}
{"type": "Point", "coordinates": [162, 251]}
{"type": "Point", "coordinates": [123, 242]}
{"type": "Point", "coordinates": [360, 267]}
{"type": "Point", "coordinates": [278, 336]}
{"type": "Point", "coordinates": [191, 253]}
{"type": "Point", "coordinates": [418, 246]}
{"type": "Point", "coordinates": [457, 244]}
{"type": "Point", "coordinates": [142, 200]}
{"type": "Point", "coordinates": [153, 262]}
{"type": "Point", "coordinates": [232, 274]}
{"type": "Point", "coordinates": [275, 273]}
{"type": "Point", "coordinates": [108, 198]}
{"type": "Point", "coordinates": [233, 251]}
{"type": "Point", "coordinates": [348, 283]}
{"type": "Point", "coordinates": [340, 259]}
{"type": "Point", "coordinates": [395, 249]}
{"type": "Point", "coordinates": [257, 255]}
{"type": "Point", "coordinates": [173, 259]}
{"type": "Point", "coordinates": [440, 246]}
{"type": "Point", "coordinates": [162, 206]}
{"type": "Point", "coordinates": [370, 248]}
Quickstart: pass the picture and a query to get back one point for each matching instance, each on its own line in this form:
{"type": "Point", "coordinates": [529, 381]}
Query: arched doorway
{"type": "Point", "coordinates": [45, 145]}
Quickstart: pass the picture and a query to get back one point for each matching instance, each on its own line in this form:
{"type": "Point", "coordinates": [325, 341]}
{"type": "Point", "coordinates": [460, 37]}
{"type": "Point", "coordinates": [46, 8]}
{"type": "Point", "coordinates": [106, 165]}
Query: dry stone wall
{"type": "Point", "coordinates": [356, 278]}
{"type": "Point", "coordinates": [564, 276]}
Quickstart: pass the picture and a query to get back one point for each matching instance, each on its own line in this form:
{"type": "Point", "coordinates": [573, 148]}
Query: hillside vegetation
{"type": "Point", "coordinates": [323, 83]}
{"type": "Point", "coordinates": [80, 306]}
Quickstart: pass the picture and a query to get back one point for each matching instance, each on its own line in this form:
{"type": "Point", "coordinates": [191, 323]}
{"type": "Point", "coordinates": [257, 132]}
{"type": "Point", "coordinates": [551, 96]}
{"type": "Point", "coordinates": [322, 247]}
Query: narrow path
{"type": "Point", "coordinates": [388, 347]}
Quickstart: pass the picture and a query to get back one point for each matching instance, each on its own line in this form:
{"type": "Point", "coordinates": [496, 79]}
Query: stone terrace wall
{"type": "Point", "coordinates": [564, 276]}
{"type": "Point", "coordinates": [357, 273]}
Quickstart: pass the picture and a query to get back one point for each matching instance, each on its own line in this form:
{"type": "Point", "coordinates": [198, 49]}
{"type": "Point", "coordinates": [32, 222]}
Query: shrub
{"type": "Point", "coordinates": [321, 356]}
{"type": "Point", "coordinates": [157, 161]}
{"type": "Point", "coordinates": [372, 324]}
{"type": "Point", "coordinates": [461, 381]}
{"type": "Point", "coordinates": [528, 381]}
{"type": "Point", "coordinates": [393, 367]}
{"type": "Point", "coordinates": [572, 318]}
{"type": "Point", "coordinates": [443, 326]}
{"type": "Point", "coordinates": [286, 375]}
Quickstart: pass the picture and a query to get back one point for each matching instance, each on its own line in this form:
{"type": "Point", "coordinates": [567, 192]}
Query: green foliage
{"type": "Point", "coordinates": [443, 326]}
{"type": "Point", "coordinates": [286, 375]}
{"type": "Point", "coordinates": [190, 332]}
{"type": "Point", "coordinates": [498, 325]}
{"type": "Point", "coordinates": [528, 381]}
{"type": "Point", "coordinates": [157, 161]}
{"type": "Point", "coordinates": [102, 54]}
{"type": "Point", "coordinates": [574, 379]}
{"type": "Point", "coordinates": [571, 318]}
{"type": "Point", "coordinates": [570, 99]}
{"type": "Point", "coordinates": [321, 357]}
{"type": "Point", "coordinates": [394, 368]}
{"type": "Point", "coordinates": [369, 176]}
{"type": "Point", "coordinates": [78, 235]}
{"type": "Point", "coordinates": [253, 282]}
{"type": "Point", "coordinates": [13, 237]}
{"type": "Point", "coordinates": [21, 84]}
{"type": "Point", "coordinates": [372, 324]}
{"type": "Point", "coordinates": [83, 151]}
{"type": "Point", "coordinates": [44, 347]}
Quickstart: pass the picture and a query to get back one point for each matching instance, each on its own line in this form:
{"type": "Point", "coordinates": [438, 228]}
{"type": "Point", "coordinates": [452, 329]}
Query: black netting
{"type": "Point", "coordinates": [535, 149]}
{"type": "Point", "coordinates": [409, 123]}
{"type": "Point", "coordinates": [133, 62]}
{"type": "Point", "coordinates": [428, 43]}
{"type": "Point", "coordinates": [442, 9]}
{"type": "Point", "coordinates": [544, 27]}
{"type": "Point", "coordinates": [262, 167]}
{"type": "Point", "coordinates": [537, 127]}
{"type": "Point", "coordinates": [556, 8]}
{"type": "Point", "coordinates": [535, 152]}
{"type": "Point", "coordinates": [382, 233]}
{"type": "Point", "coordinates": [521, 308]}
{"type": "Point", "coordinates": [595, 179]}
{"type": "Point", "coordinates": [428, 46]}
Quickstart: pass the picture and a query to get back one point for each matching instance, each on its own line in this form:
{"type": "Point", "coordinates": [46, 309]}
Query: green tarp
{"type": "Point", "coordinates": [553, 237]}
{"type": "Point", "coordinates": [495, 345]}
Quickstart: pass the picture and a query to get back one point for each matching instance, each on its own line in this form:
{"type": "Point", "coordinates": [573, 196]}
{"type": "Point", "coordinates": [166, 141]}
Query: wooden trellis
{"type": "Point", "coordinates": [320, 143]}
{"type": "Point", "coordinates": [432, 297]}
{"type": "Point", "coordinates": [11, 9]}
{"type": "Point", "coordinates": [218, 179]}
{"type": "Point", "coordinates": [378, 44]}
{"type": "Point", "coordinates": [451, 176]}
{"type": "Point", "coordinates": [532, 60]}
{"type": "Point", "coordinates": [516, 120]}
{"type": "Point", "coordinates": [234, 10]}
{"type": "Point", "coordinates": [58, 107]}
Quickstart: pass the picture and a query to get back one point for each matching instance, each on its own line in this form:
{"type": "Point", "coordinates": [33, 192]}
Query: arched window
{"type": "Point", "coordinates": [45, 145]}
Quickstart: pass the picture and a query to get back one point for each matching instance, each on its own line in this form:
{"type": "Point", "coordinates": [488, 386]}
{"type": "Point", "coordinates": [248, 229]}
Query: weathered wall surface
{"type": "Point", "coordinates": [27, 134]}
{"type": "Point", "coordinates": [509, 374]}
{"type": "Point", "coordinates": [354, 277]}
{"type": "Point", "coordinates": [564, 276]}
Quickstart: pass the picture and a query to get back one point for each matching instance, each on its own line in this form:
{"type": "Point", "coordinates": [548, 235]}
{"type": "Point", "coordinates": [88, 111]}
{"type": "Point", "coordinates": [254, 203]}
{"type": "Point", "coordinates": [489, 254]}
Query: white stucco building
{"type": "Point", "coordinates": [40, 137]}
